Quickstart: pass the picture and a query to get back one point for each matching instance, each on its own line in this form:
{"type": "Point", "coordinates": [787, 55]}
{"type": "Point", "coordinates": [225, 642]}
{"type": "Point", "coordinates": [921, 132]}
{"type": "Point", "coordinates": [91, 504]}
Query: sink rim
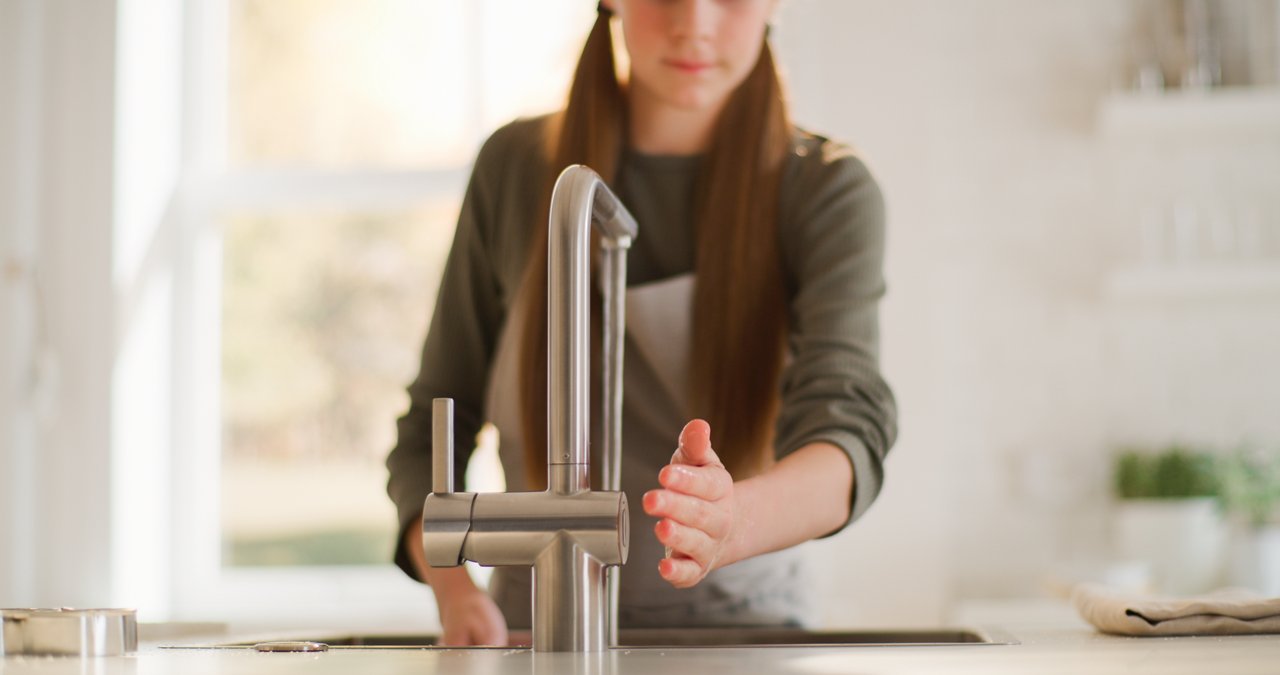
{"type": "Point", "coordinates": [671, 638]}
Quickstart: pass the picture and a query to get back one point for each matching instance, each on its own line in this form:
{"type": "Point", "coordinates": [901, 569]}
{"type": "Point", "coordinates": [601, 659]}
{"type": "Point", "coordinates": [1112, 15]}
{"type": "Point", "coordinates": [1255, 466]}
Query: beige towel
{"type": "Point", "coordinates": [1226, 612]}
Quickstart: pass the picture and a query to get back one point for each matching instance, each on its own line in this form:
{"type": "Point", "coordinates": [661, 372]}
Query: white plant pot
{"type": "Point", "coordinates": [1182, 540]}
{"type": "Point", "coordinates": [1256, 559]}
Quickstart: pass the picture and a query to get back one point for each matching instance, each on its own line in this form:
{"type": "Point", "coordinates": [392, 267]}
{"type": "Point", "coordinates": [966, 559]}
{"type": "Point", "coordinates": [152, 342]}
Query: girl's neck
{"type": "Point", "coordinates": [658, 128]}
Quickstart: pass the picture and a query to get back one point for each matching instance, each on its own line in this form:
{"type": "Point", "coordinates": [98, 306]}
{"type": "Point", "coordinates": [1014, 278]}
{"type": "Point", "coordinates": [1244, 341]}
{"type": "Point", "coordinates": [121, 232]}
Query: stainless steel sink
{"type": "Point", "coordinates": [647, 638]}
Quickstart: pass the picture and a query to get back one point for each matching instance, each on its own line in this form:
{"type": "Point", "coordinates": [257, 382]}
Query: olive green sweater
{"type": "Point", "coordinates": [831, 235]}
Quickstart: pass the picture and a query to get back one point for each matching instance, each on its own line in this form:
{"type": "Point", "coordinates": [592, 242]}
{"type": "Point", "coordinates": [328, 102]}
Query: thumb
{"type": "Point", "coordinates": [695, 445]}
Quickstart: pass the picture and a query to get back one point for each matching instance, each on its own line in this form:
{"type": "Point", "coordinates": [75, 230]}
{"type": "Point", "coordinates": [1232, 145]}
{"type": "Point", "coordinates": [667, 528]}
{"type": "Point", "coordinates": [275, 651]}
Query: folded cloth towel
{"type": "Point", "coordinates": [1231, 611]}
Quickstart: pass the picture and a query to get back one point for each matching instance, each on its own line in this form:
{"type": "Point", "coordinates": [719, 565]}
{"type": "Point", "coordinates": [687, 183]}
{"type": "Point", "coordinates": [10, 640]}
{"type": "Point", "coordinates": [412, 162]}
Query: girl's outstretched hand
{"type": "Point", "coordinates": [696, 507]}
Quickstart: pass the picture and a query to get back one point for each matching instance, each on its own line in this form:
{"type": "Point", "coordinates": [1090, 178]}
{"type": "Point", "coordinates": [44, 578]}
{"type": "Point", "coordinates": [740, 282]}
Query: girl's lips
{"type": "Point", "coordinates": [688, 66]}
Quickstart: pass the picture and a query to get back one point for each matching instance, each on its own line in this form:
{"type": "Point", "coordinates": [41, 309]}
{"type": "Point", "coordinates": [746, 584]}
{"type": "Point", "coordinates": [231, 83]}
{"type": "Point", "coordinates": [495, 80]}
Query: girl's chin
{"type": "Point", "coordinates": [693, 100]}
{"type": "Point", "coordinates": [685, 95]}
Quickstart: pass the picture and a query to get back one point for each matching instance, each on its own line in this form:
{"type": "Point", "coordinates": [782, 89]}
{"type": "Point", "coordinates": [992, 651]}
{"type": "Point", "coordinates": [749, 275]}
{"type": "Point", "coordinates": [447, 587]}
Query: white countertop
{"type": "Point", "coordinates": [1047, 644]}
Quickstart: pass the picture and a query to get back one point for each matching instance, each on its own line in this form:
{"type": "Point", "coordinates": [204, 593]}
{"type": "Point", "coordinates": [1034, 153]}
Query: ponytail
{"type": "Point", "coordinates": [740, 289]}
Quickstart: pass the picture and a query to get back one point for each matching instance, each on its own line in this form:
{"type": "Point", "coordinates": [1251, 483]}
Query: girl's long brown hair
{"type": "Point", "coordinates": [739, 308]}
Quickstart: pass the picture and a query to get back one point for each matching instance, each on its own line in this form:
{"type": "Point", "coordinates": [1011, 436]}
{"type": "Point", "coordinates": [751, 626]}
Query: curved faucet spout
{"type": "Point", "coordinates": [580, 198]}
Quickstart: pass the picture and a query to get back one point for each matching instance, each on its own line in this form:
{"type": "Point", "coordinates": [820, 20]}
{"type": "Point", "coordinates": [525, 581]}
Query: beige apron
{"type": "Point", "coordinates": [766, 590]}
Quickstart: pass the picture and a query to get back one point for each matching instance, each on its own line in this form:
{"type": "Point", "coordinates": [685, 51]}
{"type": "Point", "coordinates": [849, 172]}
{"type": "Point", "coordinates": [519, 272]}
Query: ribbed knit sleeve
{"type": "Point", "coordinates": [832, 231]}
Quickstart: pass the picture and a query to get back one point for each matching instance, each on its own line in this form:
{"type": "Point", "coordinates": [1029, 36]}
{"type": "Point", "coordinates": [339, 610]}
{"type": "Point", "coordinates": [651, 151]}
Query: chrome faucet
{"type": "Point", "coordinates": [573, 538]}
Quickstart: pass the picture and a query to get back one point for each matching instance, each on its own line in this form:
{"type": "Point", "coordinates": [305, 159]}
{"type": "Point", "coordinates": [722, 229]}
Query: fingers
{"type": "Point", "coordinates": [695, 508]}
{"type": "Point", "coordinates": [460, 636]}
{"type": "Point", "coordinates": [686, 510]}
{"type": "Point", "coordinates": [492, 627]}
{"type": "Point", "coordinates": [687, 542]}
{"type": "Point", "coordinates": [708, 482]}
{"type": "Point", "coordinates": [680, 572]}
{"type": "Point", "coordinates": [469, 636]}
{"type": "Point", "coordinates": [476, 621]}
{"type": "Point", "coordinates": [695, 445]}
{"type": "Point", "coordinates": [494, 636]}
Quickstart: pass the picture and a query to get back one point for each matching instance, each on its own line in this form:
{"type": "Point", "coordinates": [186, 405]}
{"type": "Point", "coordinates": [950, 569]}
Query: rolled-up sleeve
{"type": "Point", "coordinates": [833, 243]}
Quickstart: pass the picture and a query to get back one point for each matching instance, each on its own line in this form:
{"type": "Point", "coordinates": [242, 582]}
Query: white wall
{"type": "Point", "coordinates": [56, 84]}
{"type": "Point", "coordinates": [1016, 373]}
{"type": "Point", "coordinates": [15, 326]}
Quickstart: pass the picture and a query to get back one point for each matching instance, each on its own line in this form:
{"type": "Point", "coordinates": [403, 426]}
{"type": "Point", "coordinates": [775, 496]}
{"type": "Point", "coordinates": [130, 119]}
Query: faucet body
{"type": "Point", "coordinates": [569, 534]}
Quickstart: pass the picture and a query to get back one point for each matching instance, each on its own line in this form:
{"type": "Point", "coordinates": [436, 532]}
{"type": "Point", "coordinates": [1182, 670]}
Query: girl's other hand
{"type": "Point", "coordinates": [470, 618]}
{"type": "Point", "coordinates": [696, 507]}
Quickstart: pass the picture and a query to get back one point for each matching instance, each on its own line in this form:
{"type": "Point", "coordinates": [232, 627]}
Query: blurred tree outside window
{"type": "Point", "coordinates": [323, 315]}
{"type": "Point", "coordinates": [324, 308]}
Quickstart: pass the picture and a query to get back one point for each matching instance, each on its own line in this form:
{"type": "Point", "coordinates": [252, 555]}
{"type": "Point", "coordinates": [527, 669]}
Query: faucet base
{"type": "Point", "coordinates": [569, 599]}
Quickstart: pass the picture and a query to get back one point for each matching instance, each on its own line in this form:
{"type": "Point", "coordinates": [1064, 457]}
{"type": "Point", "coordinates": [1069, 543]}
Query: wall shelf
{"type": "Point", "coordinates": [1241, 112]}
{"type": "Point", "coordinates": [1196, 281]}
{"type": "Point", "coordinates": [1190, 146]}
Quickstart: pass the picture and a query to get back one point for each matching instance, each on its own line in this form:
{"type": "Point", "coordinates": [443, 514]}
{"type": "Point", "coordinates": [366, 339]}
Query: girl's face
{"type": "Point", "coordinates": [691, 54]}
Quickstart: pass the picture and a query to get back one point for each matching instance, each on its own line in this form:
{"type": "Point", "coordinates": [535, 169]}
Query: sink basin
{"type": "Point", "coordinates": [641, 638]}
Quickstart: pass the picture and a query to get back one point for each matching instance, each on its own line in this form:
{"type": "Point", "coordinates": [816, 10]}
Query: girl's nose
{"type": "Point", "coordinates": [693, 19]}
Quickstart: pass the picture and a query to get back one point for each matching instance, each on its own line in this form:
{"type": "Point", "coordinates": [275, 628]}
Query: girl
{"type": "Point", "coordinates": [752, 305]}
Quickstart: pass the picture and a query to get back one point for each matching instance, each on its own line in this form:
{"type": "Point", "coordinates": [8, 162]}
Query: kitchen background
{"type": "Point", "coordinates": [221, 225]}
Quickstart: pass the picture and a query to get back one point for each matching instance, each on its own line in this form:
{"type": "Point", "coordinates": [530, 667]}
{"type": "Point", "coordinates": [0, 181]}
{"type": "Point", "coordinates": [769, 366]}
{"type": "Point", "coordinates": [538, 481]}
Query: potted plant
{"type": "Point", "coordinates": [1251, 492]}
{"type": "Point", "coordinates": [1169, 517]}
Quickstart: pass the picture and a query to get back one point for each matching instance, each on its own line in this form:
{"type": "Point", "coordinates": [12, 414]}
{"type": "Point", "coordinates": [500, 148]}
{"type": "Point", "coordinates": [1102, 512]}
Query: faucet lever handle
{"type": "Point", "coordinates": [442, 446]}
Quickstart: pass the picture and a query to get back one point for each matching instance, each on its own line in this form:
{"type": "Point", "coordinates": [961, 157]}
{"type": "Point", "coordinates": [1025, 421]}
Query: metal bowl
{"type": "Point", "coordinates": [68, 632]}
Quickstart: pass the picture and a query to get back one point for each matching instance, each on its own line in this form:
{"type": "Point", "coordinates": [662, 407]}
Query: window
{"type": "Point", "coordinates": [331, 142]}
{"type": "Point", "coordinates": [321, 312]}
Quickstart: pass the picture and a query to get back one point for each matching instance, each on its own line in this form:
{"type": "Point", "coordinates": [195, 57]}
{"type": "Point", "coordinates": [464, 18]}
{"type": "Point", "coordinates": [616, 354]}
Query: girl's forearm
{"type": "Point", "coordinates": [803, 496]}
{"type": "Point", "coordinates": [444, 581]}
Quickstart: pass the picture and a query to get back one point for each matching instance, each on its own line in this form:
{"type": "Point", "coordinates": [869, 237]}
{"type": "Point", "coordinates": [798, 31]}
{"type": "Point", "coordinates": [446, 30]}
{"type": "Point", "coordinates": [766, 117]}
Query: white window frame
{"type": "Point", "coordinates": [202, 588]}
